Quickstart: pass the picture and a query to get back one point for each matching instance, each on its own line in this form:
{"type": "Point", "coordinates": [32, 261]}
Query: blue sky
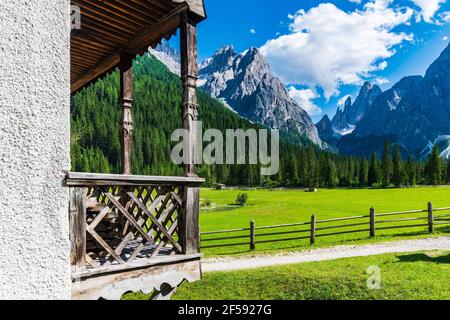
{"type": "Point", "coordinates": [323, 50]}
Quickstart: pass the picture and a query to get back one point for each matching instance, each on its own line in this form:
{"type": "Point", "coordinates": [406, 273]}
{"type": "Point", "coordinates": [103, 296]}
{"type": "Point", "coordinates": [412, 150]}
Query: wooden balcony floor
{"type": "Point", "coordinates": [146, 253]}
{"type": "Point", "coordinates": [143, 260]}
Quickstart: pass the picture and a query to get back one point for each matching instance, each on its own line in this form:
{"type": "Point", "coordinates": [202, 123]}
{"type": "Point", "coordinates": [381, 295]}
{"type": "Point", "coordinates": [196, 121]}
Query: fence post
{"type": "Point", "coordinates": [430, 218]}
{"type": "Point", "coordinates": [313, 229]}
{"type": "Point", "coordinates": [372, 222]}
{"type": "Point", "coordinates": [252, 235]}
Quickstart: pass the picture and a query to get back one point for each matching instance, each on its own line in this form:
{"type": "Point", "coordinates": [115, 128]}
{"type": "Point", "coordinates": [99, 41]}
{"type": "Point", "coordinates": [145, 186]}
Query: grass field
{"type": "Point", "coordinates": [291, 206]}
{"type": "Point", "coordinates": [403, 276]}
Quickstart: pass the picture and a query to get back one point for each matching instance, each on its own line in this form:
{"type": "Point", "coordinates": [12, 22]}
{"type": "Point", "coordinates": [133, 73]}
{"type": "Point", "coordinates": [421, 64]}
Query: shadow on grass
{"type": "Point", "coordinates": [421, 257]}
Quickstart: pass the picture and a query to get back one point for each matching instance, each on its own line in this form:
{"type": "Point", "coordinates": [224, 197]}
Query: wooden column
{"type": "Point", "coordinates": [77, 222]}
{"type": "Point", "coordinates": [189, 76]}
{"type": "Point", "coordinates": [126, 100]}
{"type": "Point", "coordinates": [189, 225]}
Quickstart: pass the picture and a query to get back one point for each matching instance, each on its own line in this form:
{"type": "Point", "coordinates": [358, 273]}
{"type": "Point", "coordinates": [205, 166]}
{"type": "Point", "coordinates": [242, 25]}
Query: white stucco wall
{"type": "Point", "coordinates": [34, 149]}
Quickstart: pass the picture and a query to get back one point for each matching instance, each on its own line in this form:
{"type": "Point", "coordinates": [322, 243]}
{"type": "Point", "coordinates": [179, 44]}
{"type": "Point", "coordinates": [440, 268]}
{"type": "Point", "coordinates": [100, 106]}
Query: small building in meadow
{"type": "Point", "coordinates": [69, 235]}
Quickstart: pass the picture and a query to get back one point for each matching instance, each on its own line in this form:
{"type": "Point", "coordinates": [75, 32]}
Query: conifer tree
{"type": "Point", "coordinates": [363, 173]}
{"type": "Point", "coordinates": [386, 165]}
{"type": "Point", "coordinates": [374, 171]}
{"type": "Point", "coordinates": [398, 174]}
{"type": "Point", "coordinates": [433, 168]}
{"type": "Point", "coordinates": [411, 174]}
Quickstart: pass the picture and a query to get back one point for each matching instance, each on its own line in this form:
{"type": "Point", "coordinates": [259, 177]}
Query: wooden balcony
{"type": "Point", "coordinates": [132, 233]}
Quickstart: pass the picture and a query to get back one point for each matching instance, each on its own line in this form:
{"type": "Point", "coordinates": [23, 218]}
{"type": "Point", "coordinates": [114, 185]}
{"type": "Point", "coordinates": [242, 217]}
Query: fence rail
{"type": "Point", "coordinates": [315, 227]}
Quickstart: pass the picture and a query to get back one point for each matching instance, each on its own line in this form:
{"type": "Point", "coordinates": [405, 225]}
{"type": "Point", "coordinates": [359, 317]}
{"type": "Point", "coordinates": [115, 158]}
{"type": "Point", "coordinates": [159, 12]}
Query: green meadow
{"type": "Point", "coordinates": [276, 207]}
{"type": "Point", "coordinates": [411, 276]}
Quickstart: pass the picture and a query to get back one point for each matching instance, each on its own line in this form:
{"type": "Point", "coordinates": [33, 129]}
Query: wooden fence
{"type": "Point", "coordinates": [320, 228]}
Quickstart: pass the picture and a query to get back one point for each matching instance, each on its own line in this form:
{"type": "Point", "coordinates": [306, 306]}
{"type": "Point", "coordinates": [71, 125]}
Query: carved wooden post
{"type": "Point", "coordinates": [189, 228]}
{"type": "Point", "coordinates": [77, 222]}
{"type": "Point", "coordinates": [126, 100]}
{"type": "Point", "coordinates": [189, 75]}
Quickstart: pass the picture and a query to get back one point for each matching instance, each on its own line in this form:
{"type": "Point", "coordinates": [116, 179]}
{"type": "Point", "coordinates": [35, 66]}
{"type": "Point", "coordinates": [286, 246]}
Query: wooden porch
{"type": "Point", "coordinates": [134, 233]}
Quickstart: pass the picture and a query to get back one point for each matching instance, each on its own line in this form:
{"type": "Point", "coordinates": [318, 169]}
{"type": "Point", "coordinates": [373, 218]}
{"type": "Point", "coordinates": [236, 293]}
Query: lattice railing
{"type": "Point", "coordinates": [121, 219]}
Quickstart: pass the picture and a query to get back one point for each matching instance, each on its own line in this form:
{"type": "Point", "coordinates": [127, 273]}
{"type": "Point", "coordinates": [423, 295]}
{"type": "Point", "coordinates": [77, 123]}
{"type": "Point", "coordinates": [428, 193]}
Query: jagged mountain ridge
{"type": "Point", "coordinates": [346, 119]}
{"type": "Point", "coordinates": [414, 114]}
{"type": "Point", "coordinates": [245, 82]}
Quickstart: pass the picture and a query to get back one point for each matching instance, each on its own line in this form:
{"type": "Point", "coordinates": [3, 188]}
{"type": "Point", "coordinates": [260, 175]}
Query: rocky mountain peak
{"type": "Point", "coordinates": [348, 102]}
{"type": "Point", "coordinates": [324, 125]}
{"type": "Point", "coordinates": [245, 82]}
{"type": "Point", "coordinates": [345, 120]}
{"type": "Point", "coordinates": [327, 132]}
{"type": "Point", "coordinates": [221, 60]}
{"type": "Point", "coordinates": [225, 50]}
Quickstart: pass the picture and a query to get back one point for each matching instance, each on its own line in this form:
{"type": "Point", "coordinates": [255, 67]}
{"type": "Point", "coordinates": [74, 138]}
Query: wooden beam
{"type": "Point", "coordinates": [96, 179]}
{"type": "Point", "coordinates": [100, 69]}
{"type": "Point", "coordinates": [126, 101]}
{"type": "Point", "coordinates": [157, 31]}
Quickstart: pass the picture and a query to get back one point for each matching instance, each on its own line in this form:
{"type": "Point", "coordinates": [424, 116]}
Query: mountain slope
{"type": "Point", "coordinates": [245, 82]}
{"type": "Point", "coordinates": [326, 131]}
{"type": "Point", "coordinates": [168, 56]}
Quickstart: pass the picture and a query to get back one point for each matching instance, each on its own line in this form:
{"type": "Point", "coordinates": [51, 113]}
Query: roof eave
{"type": "Point", "coordinates": [196, 7]}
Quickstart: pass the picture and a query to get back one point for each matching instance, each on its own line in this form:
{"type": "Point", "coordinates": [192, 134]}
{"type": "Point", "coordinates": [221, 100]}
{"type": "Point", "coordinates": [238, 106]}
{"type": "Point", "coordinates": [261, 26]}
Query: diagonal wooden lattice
{"type": "Point", "coordinates": [126, 221]}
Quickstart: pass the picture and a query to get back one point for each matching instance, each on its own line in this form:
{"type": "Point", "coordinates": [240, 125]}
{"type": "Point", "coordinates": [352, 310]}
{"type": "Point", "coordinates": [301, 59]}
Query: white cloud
{"type": "Point", "coordinates": [252, 31]}
{"type": "Point", "coordinates": [304, 99]}
{"type": "Point", "coordinates": [342, 100]}
{"type": "Point", "coordinates": [381, 80]}
{"type": "Point", "coordinates": [428, 8]}
{"type": "Point", "coordinates": [445, 16]}
{"type": "Point", "coordinates": [328, 47]}
{"type": "Point", "coordinates": [444, 38]}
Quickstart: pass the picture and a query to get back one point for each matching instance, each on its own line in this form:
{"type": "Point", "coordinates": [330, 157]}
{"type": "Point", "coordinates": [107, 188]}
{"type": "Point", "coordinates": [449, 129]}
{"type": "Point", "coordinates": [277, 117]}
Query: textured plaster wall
{"type": "Point", "coordinates": [34, 149]}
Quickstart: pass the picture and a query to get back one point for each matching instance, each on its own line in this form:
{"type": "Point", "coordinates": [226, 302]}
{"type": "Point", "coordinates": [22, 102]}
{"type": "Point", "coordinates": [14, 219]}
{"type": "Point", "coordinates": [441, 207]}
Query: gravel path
{"type": "Point", "coordinates": [240, 263]}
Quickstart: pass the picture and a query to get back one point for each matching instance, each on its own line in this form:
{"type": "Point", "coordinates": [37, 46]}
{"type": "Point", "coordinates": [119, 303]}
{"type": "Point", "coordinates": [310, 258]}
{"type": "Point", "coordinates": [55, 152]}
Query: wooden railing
{"type": "Point", "coordinates": [371, 224]}
{"type": "Point", "coordinates": [117, 220]}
